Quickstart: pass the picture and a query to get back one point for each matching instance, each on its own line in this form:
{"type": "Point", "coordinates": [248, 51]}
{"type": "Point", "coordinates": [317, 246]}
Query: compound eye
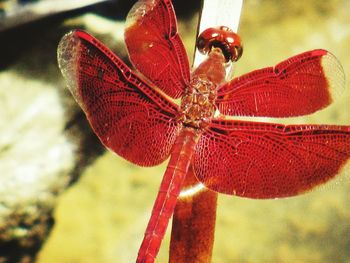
{"type": "Point", "coordinates": [236, 53]}
{"type": "Point", "coordinates": [220, 37]}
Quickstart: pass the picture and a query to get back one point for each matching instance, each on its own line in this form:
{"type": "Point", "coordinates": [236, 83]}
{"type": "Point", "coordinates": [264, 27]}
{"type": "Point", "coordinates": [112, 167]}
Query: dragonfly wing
{"type": "Point", "coordinates": [128, 116]}
{"type": "Point", "coordinates": [297, 86]}
{"type": "Point", "coordinates": [155, 47]}
{"type": "Point", "coordinates": [264, 160]}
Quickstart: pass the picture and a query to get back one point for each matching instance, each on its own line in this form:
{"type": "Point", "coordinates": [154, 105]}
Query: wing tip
{"type": "Point", "coordinates": [67, 55]}
{"type": "Point", "coordinates": [70, 40]}
{"type": "Point", "coordinates": [334, 74]}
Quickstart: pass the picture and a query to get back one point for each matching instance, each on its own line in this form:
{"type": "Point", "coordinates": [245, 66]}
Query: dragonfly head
{"type": "Point", "coordinates": [220, 37]}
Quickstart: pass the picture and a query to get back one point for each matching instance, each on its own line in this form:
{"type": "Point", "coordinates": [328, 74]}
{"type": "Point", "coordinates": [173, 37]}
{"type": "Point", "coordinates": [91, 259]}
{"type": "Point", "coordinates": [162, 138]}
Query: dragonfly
{"type": "Point", "coordinates": [134, 112]}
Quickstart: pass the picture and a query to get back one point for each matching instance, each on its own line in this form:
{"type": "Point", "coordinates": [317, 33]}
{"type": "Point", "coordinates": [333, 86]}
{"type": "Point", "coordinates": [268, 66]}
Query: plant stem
{"type": "Point", "coordinates": [193, 226]}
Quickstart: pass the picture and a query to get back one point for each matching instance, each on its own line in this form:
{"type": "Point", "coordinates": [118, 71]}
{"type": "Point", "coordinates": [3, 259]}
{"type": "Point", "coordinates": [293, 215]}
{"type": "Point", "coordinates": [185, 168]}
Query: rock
{"type": "Point", "coordinates": [45, 142]}
{"type": "Point", "coordinates": [35, 156]}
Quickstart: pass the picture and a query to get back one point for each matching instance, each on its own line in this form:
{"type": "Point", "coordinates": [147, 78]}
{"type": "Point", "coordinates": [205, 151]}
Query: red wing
{"type": "Point", "coordinates": [297, 86]}
{"type": "Point", "coordinates": [263, 160]}
{"type": "Point", "coordinates": [155, 47]}
{"type": "Point", "coordinates": [127, 115]}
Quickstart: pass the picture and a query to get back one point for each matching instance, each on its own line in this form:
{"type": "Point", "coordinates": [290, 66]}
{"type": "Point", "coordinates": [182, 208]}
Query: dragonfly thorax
{"type": "Point", "coordinates": [197, 105]}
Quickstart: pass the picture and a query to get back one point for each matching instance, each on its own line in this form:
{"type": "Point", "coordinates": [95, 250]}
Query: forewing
{"type": "Point", "coordinates": [154, 46]}
{"type": "Point", "coordinates": [127, 115]}
{"type": "Point", "coordinates": [263, 160]}
{"type": "Point", "coordinates": [297, 86]}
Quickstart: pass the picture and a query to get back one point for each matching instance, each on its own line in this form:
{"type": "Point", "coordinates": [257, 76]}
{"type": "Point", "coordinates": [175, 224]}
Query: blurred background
{"type": "Point", "coordinates": [65, 199]}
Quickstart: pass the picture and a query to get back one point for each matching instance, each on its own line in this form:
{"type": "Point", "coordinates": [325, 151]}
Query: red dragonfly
{"type": "Point", "coordinates": [133, 113]}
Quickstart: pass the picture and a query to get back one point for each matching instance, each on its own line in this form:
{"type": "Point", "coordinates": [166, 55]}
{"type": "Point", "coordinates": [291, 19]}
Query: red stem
{"type": "Point", "coordinates": [193, 226]}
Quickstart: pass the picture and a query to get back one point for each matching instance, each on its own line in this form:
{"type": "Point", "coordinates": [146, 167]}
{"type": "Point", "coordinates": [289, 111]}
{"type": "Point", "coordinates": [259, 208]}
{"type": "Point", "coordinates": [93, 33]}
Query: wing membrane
{"type": "Point", "coordinates": [263, 160]}
{"type": "Point", "coordinates": [155, 47]}
{"type": "Point", "coordinates": [128, 116]}
{"type": "Point", "coordinates": [297, 86]}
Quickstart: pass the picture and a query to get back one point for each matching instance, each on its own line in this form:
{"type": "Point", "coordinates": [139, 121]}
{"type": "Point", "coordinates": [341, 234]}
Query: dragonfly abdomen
{"type": "Point", "coordinates": [170, 188]}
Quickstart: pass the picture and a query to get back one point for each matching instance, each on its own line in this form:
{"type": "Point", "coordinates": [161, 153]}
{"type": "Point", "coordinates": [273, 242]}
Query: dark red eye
{"type": "Point", "coordinates": [221, 37]}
